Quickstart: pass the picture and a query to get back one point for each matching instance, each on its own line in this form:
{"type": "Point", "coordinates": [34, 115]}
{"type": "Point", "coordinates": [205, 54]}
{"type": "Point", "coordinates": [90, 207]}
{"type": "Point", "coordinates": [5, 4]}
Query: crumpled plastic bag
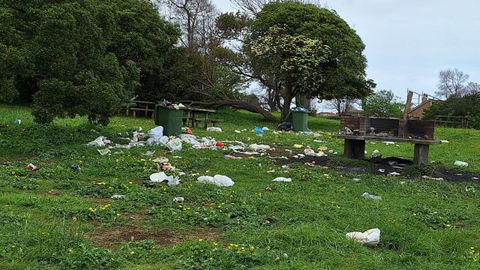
{"type": "Point", "coordinates": [100, 141]}
{"type": "Point", "coordinates": [369, 196]}
{"type": "Point", "coordinates": [104, 152]}
{"type": "Point", "coordinates": [369, 238]}
{"type": "Point", "coordinates": [282, 179]}
{"type": "Point", "coordinates": [162, 177]}
{"type": "Point", "coordinates": [459, 163]}
{"type": "Point", "coordinates": [156, 133]}
{"type": "Point", "coordinates": [174, 144]}
{"type": "Point", "coordinates": [376, 153]}
{"type": "Point", "coordinates": [259, 147]}
{"type": "Point", "coordinates": [190, 139]}
{"type": "Point", "coordinates": [214, 129]}
{"type": "Point", "coordinates": [219, 180]}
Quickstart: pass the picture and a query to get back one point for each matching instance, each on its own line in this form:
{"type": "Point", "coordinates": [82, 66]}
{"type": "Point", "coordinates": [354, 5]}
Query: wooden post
{"type": "Point", "coordinates": [408, 105]}
{"type": "Point", "coordinates": [420, 156]}
{"type": "Point", "coordinates": [354, 149]}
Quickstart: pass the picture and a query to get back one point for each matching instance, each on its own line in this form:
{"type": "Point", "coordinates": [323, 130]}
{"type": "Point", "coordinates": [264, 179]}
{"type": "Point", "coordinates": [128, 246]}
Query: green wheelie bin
{"type": "Point", "coordinates": [300, 119]}
{"type": "Point", "coordinates": [170, 119]}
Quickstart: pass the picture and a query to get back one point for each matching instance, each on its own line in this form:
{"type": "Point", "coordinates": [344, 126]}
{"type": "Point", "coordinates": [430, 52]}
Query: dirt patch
{"type": "Point", "coordinates": [452, 175]}
{"type": "Point", "coordinates": [379, 166]}
{"type": "Point", "coordinates": [112, 237]}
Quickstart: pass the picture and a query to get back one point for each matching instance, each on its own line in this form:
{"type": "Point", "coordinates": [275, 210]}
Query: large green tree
{"type": "Point", "coordinates": [337, 70]}
{"type": "Point", "coordinates": [80, 57]}
{"type": "Point", "coordinates": [382, 104]}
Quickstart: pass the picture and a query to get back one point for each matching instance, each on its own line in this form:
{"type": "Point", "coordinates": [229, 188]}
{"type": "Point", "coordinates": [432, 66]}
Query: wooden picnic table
{"type": "Point", "coordinates": [145, 107]}
{"type": "Point", "coordinates": [193, 113]}
{"type": "Point", "coordinates": [354, 146]}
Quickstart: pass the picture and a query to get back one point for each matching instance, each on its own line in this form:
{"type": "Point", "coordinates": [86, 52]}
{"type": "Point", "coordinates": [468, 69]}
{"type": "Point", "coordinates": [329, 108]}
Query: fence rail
{"type": "Point", "coordinates": [452, 121]}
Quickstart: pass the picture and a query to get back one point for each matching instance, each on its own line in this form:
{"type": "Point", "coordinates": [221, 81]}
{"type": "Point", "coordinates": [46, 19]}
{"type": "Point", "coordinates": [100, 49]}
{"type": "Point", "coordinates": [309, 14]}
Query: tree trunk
{"type": "Point", "coordinates": [238, 105]}
{"type": "Point", "coordinates": [287, 101]}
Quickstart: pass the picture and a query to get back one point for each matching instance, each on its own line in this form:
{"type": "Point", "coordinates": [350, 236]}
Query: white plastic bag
{"type": "Point", "coordinates": [282, 179]}
{"type": "Point", "coordinates": [369, 238]}
{"type": "Point", "coordinates": [174, 145]}
{"type": "Point", "coordinates": [259, 147]}
{"type": "Point", "coordinates": [459, 163]}
{"type": "Point", "coordinates": [369, 196]}
{"type": "Point", "coordinates": [156, 133]}
{"type": "Point", "coordinates": [214, 129]}
{"type": "Point", "coordinates": [219, 180]}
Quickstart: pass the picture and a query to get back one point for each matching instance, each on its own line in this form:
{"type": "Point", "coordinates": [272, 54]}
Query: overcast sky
{"type": "Point", "coordinates": [408, 42]}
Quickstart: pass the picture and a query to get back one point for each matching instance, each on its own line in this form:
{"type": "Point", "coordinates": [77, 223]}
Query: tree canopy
{"type": "Point", "coordinates": [81, 57]}
{"type": "Point", "coordinates": [339, 70]}
{"type": "Point", "coordinates": [382, 104]}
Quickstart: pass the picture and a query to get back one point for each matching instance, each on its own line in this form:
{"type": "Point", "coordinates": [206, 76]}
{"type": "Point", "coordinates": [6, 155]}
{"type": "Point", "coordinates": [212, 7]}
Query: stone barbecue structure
{"type": "Point", "coordinates": [355, 130]}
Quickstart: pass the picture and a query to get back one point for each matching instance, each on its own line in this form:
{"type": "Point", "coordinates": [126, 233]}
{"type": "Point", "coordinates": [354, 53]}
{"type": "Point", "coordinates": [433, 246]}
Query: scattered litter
{"type": "Point", "coordinates": [99, 142]}
{"type": "Point", "coordinates": [75, 168]}
{"type": "Point", "coordinates": [376, 153]}
{"type": "Point", "coordinates": [149, 153]}
{"type": "Point", "coordinates": [259, 131]}
{"type": "Point", "coordinates": [259, 147]}
{"type": "Point", "coordinates": [32, 167]}
{"type": "Point", "coordinates": [459, 163]}
{"type": "Point", "coordinates": [310, 152]}
{"type": "Point", "coordinates": [237, 131]}
{"type": "Point", "coordinates": [219, 180]}
{"type": "Point", "coordinates": [268, 189]}
{"type": "Point", "coordinates": [162, 177]}
{"type": "Point", "coordinates": [369, 196]}
{"type": "Point", "coordinates": [219, 144]}
{"type": "Point", "coordinates": [214, 129]}
{"type": "Point", "coordinates": [232, 157]}
{"type": "Point", "coordinates": [471, 189]}
{"type": "Point", "coordinates": [271, 171]}
{"type": "Point", "coordinates": [432, 178]}
{"type": "Point", "coordinates": [282, 179]}
{"type": "Point", "coordinates": [444, 141]}
{"type": "Point", "coordinates": [118, 197]}
{"type": "Point", "coordinates": [187, 130]}
{"type": "Point", "coordinates": [17, 121]}
{"type": "Point", "coordinates": [388, 143]}
{"type": "Point", "coordinates": [356, 180]}
{"type": "Point", "coordinates": [104, 152]}
{"type": "Point", "coordinates": [381, 170]}
{"type": "Point", "coordinates": [178, 199]}
{"type": "Point", "coordinates": [158, 177]}
{"type": "Point", "coordinates": [297, 146]}
{"type": "Point", "coordinates": [393, 174]}
{"type": "Point", "coordinates": [156, 133]}
{"type": "Point", "coordinates": [174, 145]}
{"type": "Point", "coordinates": [369, 238]}
{"type": "Point", "coordinates": [474, 178]}
{"type": "Point", "coordinates": [265, 129]}
{"type": "Point", "coordinates": [161, 160]}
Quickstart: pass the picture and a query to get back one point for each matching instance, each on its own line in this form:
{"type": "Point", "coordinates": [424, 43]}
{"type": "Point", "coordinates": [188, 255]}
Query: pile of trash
{"type": "Point", "coordinates": [155, 137]}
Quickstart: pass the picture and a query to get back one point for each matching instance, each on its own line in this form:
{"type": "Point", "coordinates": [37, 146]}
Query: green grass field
{"type": "Point", "coordinates": [55, 218]}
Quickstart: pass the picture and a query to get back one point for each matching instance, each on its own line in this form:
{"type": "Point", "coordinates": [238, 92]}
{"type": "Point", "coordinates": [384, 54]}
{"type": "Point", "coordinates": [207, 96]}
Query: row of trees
{"type": "Point", "coordinates": [89, 57]}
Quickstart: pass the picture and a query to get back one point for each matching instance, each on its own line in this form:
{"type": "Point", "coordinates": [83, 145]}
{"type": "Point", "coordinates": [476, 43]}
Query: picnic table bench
{"type": "Point", "coordinates": [194, 116]}
{"type": "Point", "coordinates": [146, 108]}
{"type": "Point", "coordinates": [354, 146]}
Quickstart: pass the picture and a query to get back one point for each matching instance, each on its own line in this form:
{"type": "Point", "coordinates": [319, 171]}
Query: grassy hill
{"type": "Point", "coordinates": [55, 218]}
